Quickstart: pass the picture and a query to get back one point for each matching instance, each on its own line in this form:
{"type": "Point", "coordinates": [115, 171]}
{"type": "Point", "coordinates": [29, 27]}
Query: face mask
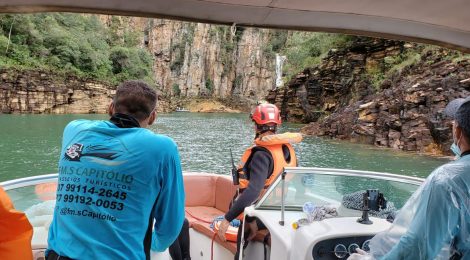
{"type": "Point", "coordinates": [455, 149]}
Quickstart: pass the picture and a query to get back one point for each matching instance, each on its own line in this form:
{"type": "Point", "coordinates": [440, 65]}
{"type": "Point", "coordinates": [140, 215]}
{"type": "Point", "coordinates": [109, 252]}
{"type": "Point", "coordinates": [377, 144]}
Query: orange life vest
{"type": "Point", "coordinates": [16, 231]}
{"type": "Point", "coordinates": [273, 144]}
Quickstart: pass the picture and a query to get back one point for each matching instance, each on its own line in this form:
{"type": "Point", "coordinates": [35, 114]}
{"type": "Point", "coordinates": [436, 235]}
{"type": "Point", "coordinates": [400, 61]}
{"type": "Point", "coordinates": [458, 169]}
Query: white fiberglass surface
{"type": "Point", "coordinates": [329, 189]}
{"type": "Point", "coordinates": [24, 198]}
{"type": "Point", "coordinates": [36, 197]}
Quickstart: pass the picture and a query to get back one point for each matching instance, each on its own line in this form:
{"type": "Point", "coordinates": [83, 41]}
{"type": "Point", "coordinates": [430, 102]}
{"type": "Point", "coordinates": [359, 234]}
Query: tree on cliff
{"type": "Point", "coordinates": [72, 43]}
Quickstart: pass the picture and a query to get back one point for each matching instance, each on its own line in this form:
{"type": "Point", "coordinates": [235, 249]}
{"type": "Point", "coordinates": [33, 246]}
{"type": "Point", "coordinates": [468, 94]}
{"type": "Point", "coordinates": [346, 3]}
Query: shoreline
{"type": "Point", "coordinates": [439, 155]}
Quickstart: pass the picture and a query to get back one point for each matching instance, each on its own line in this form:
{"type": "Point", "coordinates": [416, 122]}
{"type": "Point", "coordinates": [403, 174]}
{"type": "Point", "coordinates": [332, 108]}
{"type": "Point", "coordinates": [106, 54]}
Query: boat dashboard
{"type": "Point", "coordinates": [334, 237]}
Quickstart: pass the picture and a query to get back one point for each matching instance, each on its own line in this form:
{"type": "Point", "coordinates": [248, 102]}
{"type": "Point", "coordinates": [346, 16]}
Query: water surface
{"type": "Point", "coordinates": [30, 145]}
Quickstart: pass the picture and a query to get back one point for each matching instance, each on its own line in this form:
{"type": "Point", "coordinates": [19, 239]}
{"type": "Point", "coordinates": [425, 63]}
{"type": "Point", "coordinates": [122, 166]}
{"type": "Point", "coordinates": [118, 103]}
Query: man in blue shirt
{"type": "Point", "coordinates": [435, 221]}
{"type": "Point", "coordinates": [117, 180]}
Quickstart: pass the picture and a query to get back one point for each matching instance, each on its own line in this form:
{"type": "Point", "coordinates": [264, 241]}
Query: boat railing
{"type": "Point", "coordinates": [33, 180]}
{"type": "Point", "coordinates": [28, 181]}
{"type": "Point", "coordinates": [358, 173]}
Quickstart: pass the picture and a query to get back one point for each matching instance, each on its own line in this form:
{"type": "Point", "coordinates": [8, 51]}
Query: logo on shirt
{"type": "Point", "coordinates": [74, 152]}
{"type": "Point", "coordinates": [97, 153]}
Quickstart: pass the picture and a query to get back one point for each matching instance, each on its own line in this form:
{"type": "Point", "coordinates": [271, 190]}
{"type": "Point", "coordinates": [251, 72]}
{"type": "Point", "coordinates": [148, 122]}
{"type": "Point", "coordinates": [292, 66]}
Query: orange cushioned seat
{"type": "Point", "coordinates": [207, 196]}
{"type": "Point", "coordinates": [202, 214]}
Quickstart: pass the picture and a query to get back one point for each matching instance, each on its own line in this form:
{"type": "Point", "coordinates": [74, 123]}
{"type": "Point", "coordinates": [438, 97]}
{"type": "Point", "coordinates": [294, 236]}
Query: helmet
{"type": "Point", "coordinates": [265, 114]}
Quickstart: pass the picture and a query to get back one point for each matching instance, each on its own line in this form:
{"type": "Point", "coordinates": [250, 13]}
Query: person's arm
{"type": "Point", "coordinates": [259, 170]}
{"type": "Point", "coordinates": [433, 225]}
{"type": "Point", "coordinates": [169, 207]}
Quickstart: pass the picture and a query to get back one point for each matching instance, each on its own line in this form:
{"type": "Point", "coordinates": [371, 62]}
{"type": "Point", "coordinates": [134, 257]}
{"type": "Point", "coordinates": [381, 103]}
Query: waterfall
{"type": "Point", "coordinates": [279, 61]}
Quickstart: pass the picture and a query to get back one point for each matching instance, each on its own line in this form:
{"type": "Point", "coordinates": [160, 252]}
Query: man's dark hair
{"type": "Point", "coordinates": [135, 98]}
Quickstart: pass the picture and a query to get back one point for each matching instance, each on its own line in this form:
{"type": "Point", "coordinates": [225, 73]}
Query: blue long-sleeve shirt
{"type": "Point", "coordinates": [437, 216]}
{"type": "Point", "coordinates": [114, 183]}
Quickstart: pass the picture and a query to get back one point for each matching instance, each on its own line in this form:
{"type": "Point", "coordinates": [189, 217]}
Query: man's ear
{"type": "Point", "coordinates": [152, 117]}
{"type": "Point", "coordinates": [458, 132]}
{"type": "Point", "coordinates": [111, 109]}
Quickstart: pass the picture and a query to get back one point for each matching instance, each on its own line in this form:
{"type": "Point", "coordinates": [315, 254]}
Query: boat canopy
{"type": "Point", "coordinates": [445, 23]}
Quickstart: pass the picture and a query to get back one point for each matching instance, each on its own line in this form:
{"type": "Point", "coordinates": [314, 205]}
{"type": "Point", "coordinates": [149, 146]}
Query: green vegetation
{"type": "Point", "coordinates": [227, 46]}
{"type": "Point", "coordinates": [178, 50]}
{"type": "Point", "coordinates": [391, 65]}
{"type": "Point", "coordinates": [306, 49]}
{"type": "Point", "coordinates": [176, 89]}
{"type": "Point", "coordinates": [209, 85]}
{"type": "Point", "coordinates": [376, 76]}
{"type": "Point", "coordinates": [461, 58]}
{"type": "Point", "coordinates": [73, 43]}
{"type": "Point", "coordinates": [276, 43]}
{"type": "Point", "coordinates": [238, 81]}
{"type": "Point", "coordinates": [398, 63]}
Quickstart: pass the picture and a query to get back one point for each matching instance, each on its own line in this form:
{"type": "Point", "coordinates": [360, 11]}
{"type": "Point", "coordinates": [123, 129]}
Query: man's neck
{"type": "Point", "coordinates": [125, 121]}
{"type": "Point", "coordinates": [464, 147]}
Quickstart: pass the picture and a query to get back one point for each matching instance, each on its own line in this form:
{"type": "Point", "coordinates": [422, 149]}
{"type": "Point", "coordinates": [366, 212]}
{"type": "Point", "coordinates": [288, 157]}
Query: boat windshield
{"type": "Point", "coordinates": [336, 188]}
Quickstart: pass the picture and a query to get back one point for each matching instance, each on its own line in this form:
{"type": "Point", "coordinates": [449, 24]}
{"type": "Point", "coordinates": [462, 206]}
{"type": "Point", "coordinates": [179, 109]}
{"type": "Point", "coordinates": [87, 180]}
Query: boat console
{"type": "Point", "coordinates": [340, 247]}
{"type": "Point", "coordinates": [336, 237]}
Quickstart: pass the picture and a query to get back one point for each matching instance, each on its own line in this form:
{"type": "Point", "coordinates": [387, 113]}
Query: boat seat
{"type": "Point", "coordinates": [207, 196]}
{"type": "Point", "coordinates": [202, 214]}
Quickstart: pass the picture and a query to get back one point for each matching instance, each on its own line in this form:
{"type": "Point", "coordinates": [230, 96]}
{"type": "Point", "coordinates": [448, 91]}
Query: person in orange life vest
{"type": "Point", "coordinates": [260, 165]}
{"type": "Point", "coordinates": [15, 231]}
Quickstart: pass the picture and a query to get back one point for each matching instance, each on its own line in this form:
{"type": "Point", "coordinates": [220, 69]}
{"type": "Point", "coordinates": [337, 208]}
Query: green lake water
{"type": "Point", "coordinates": [30, 145]}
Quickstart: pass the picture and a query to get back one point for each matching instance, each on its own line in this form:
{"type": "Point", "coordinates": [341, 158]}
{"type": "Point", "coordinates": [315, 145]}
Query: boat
{"type": "Point", "coordinates": [444, 23]}
{"type": "Point", "coordinates": [332, 238]}
{"type": "Point", "coordinates": [181, 109]}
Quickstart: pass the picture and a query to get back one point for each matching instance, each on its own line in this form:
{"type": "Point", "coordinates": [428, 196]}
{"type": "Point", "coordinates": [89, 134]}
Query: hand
{"type": "Point", "coordinates": [223, 226]}
{"type": "Point", "coordinates": [360, 255]}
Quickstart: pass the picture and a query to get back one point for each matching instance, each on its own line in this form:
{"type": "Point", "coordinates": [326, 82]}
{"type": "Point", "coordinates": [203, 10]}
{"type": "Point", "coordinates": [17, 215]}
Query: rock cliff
{"type": "Point", "coordinates": [203, 60]}
{"type": "Point", "coordinates": [380, 95]}
{"type": "Point", "coordinates": [45, 92]}
{"type": "Point", "coordinates": [344, 76]}
{"type": "Point", "coordinates": [191, 60]}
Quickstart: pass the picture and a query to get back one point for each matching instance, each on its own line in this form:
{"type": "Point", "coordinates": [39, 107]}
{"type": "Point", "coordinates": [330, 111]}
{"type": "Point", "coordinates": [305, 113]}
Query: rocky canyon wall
{"type": "Point", "coordinates": [344, 76]}
{"type": "Point", "coordinates": [203, 60]}
{"type": "Point", "coordinates": [41, 92]}
{"type": "Point", "coordinates": [191, 60]}
{"type": "Point", "coordinates": [403, 110]}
